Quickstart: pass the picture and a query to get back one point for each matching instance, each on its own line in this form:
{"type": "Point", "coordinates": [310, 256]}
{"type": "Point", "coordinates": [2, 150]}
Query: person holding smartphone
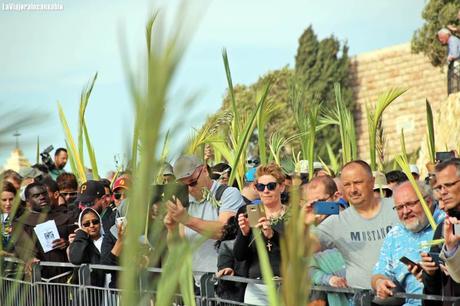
{"type": "Point", "coordinates": [323, 189]}
{"type": "Point", "coordinates": [436, 278]}
{"type": "Point", "coordinates": [269, 185]}
{"type": "Point", "coordinates": [400, 251]}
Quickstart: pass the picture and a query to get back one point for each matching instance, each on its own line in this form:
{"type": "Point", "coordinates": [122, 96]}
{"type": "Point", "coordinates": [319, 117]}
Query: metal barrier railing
{"type": "Point", "coordinates": [50, 292]}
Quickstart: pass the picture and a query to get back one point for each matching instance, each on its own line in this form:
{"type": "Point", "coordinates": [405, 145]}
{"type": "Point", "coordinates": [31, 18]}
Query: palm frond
{"type": "Point", "coordinates": [403, 163]}
{"type": "Point", "coordinates": [374, 115]}
{"type": "Point", "coordinates": [430, 132]}
{"type": "Point", "coordinates": [73, 151]}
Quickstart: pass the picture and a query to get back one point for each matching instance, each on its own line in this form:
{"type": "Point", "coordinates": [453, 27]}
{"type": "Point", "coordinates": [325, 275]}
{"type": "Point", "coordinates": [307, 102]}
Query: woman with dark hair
{"type": "Point", "coordinates": [228, 265]}
{"type": "Point", "coordinates": [85, 244]}
{"type": "Point", "coordinates": [269, 185]}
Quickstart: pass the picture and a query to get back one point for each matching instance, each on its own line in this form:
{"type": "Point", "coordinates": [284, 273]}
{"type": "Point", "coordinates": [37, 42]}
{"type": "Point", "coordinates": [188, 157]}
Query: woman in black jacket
{"type": "Point", "coordinates": [269, 185]}
{"type": "Point", "coordinates": [85, 244]}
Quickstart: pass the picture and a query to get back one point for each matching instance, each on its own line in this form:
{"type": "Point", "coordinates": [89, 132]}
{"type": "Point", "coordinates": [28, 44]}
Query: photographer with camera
{"type": "Point", "coordinates": [56, 167]}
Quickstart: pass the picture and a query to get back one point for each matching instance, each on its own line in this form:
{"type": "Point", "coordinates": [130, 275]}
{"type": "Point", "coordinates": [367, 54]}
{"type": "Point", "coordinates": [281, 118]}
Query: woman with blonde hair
{"type": "Point", "coordinates": [269, 185]}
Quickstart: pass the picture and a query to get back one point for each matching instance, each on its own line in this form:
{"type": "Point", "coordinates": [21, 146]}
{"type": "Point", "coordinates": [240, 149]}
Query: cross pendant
{"type": "Point", "coordinates": [269, 246]}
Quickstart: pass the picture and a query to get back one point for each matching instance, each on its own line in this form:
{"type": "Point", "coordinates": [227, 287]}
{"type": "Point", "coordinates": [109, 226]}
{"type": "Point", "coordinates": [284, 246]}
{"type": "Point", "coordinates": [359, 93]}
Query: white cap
{"type": "Point", "coordinates": [302, 166]}
{"type": "Point", "coordinates": [414, 169]}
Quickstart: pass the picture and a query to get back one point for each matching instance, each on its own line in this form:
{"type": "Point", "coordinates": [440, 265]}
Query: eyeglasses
{"type": "Point", "coordinates": [68, 194]}
{"type": "Point", "coordinates": [270, 186]}
{"type": "Point", "coordinates": [409, 205]}
{"type": "Point", "coordinates": [117, 195]}
{"type": "Point", "coordinates": [89, 222]}
{"type": "Point", "coordinates": [194, 182]}
{"type": "Point", "coordinates": [447, 186]}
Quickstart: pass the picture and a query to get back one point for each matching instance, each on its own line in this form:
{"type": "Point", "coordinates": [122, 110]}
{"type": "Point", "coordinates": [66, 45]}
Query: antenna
{"type": "Point", "coordinates": [17, 134]}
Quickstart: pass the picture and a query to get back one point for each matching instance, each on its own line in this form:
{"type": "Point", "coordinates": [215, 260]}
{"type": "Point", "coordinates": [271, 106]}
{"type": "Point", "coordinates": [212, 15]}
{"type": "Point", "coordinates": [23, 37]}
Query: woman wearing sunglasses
{"type": "Point", "coordinates": [269, 185]}
{"type": "Point", "coordinates": [85, 244]}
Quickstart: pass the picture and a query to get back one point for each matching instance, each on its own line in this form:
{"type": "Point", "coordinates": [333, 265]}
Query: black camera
{"type": "Point", "coordinates": [46, 158]}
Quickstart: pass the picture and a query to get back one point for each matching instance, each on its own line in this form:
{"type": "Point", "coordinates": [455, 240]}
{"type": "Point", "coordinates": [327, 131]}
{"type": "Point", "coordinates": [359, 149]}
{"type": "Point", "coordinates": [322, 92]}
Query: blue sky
{"type": "Point", "coordinates": [50, 56]}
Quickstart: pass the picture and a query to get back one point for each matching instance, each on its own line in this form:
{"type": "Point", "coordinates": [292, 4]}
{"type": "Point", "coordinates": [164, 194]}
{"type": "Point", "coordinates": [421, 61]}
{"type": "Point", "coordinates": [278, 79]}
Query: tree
{"type": "Point", "coordinates": [320, 64]}
{"type": "Point", "coordinates": [437, 14]}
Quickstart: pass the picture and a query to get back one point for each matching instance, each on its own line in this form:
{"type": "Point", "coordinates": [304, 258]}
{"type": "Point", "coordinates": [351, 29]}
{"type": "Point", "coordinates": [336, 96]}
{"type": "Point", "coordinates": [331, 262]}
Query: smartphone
{"type": "Point", "coordinates": [163, 193]}
{"type": "Point", "coordinates": [407, 261]}
{"type": "Point", "coordinates": [326, 208]}
{"type": "Point", "coordinates": [121, 220]}
{"type": "Point", "coordinates": [436, 258]}
{"type": "Point", "coordinates": [255, 212]}
{"type": "Point", "coordinates": [441, 156]}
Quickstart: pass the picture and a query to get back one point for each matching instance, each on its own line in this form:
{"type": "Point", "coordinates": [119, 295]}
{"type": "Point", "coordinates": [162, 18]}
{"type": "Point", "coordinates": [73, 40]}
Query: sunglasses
{"type": "Point", "coordinates": [270, 186]}
{"type": "Point", "coordinates": [118, 195]}
{"type": "Point", "coordinates": [69, 194]}
{"type": "Point", "coordinates": [195, 182]}
{"type": "Point", "coordinates": [89, 222]}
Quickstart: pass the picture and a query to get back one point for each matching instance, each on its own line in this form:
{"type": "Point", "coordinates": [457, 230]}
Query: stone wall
{"type": "Point", "coordinates": [377, 71]}
{"type": "Point", "coordinates": [446, 130]}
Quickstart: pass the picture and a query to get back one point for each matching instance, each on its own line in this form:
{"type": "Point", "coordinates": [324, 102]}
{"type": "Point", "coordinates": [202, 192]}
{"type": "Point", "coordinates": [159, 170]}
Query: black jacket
{"type": "Point", "coordinates": [26, 243]}
{"type": "Point", "coordinates": [440, 283]}
{"type": "Point", "coordinates": [245, 249]}
{"type": "Point", "coordinates": [83, 251]}
{"type": "Point", "coordinates": [107, 258]}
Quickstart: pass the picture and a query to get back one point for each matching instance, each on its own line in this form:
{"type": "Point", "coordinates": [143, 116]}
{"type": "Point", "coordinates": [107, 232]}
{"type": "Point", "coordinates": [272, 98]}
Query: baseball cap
{"type": "Point", "coordinates": [30, 172]}
{"type": "Point", "coordinates": [185, 166]}
{"type": "Point", "coordinates": [381, 182]}
{"type": "Point", "coordinates": [302, 166]}
{"type": "Point", "coordinates": [121, 182]}
{"type": "Point", "coordinates": [167, 169]}
{"type": "Point", "coordinates": [414, 169]}
{"type": "Point", "coordinates": [90, 191]}
{"type": "Point", "coordinates": [250, 175]}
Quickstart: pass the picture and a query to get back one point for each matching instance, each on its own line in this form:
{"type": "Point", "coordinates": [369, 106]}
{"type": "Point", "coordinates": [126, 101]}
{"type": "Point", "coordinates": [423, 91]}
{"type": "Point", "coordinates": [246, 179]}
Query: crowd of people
{"type": "Point", "coordinates": [369, 229]}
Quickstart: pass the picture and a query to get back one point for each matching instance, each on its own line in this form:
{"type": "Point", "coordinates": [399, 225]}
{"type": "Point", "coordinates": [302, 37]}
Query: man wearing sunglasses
{"type": "Point", "coordinates": [205, 215]}
{"type": "Point", "coordinates": [120, 187]}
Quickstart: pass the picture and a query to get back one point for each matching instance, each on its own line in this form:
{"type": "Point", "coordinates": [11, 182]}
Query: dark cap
{"type": "Point", "coordinates": [90, 191]}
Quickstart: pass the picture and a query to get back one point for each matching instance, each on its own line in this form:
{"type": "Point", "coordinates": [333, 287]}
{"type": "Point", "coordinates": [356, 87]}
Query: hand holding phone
{"type": "Point", "coordinates": [255, 212]}
{"type": "Point", "coordinates": [326, 208]}
{"type": "Point", "coordinates": [407, 262]}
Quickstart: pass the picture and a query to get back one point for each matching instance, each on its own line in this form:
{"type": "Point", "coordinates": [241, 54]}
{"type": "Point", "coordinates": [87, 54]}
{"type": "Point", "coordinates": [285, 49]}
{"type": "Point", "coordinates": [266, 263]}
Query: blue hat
{"type": "Point", "coordinates": [250, 175]}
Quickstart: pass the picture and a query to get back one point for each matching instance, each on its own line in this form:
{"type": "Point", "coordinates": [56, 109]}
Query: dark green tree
{"type": "Point", "coordinates": [437, 14]}
{"type": "Point", "coordinates": [320, 64]}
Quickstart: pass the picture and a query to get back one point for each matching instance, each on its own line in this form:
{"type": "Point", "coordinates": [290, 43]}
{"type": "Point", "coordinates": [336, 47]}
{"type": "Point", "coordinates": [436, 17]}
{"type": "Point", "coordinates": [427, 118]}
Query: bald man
{"type": "Point", "coordinates": [358, 232]}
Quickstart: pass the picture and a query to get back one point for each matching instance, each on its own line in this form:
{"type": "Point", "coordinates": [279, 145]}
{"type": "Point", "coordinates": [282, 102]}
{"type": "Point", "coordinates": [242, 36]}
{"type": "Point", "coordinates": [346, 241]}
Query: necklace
{"type": "Point", "coordinates": [278, 217]}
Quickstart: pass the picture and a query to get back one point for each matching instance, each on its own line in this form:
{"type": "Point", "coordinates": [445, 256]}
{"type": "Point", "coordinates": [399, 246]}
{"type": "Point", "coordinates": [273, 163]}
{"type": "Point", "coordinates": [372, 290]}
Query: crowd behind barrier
{"type": "Point", "coordinates": [365, 232]}
{"type": "Point", "coordinates": [39, 291]}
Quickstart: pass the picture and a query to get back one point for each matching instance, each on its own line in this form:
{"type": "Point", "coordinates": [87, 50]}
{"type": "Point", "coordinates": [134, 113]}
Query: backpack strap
{"type": "Point", "coordinates": [219, 192]}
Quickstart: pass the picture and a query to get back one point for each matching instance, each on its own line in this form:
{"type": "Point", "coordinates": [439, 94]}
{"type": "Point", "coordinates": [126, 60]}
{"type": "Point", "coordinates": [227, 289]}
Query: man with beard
{"type": "Point", "coordinates": [26, 244]}
{"type": "Point", "coordinates": [60, 160]}
{"type": "Point", "coordinates": [404, 240]}
{"type": "Point", "coordinates": [447, 190]}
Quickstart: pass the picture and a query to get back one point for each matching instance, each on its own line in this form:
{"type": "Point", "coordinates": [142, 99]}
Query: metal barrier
{"type": "Point", "coordinates": [50, 292]}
